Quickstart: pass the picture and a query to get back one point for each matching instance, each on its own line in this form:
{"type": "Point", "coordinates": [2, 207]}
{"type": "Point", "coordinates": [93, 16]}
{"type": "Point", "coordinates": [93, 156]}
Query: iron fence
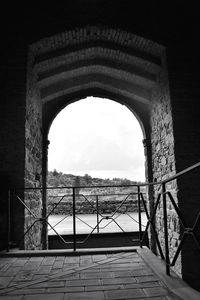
{"type": "Point", "coordinates": [164, 199]}
{"type": "Point", "coordinates": [100, 204]}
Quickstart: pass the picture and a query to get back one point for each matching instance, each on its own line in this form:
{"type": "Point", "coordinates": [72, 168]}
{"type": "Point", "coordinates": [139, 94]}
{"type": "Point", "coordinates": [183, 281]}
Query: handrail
{"type": "Point", "coordinates": [185, 171]}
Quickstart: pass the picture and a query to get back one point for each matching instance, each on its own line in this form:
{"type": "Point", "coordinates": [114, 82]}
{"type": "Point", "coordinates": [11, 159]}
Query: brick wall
{"type": "Point", "coordinates": [163, 160]}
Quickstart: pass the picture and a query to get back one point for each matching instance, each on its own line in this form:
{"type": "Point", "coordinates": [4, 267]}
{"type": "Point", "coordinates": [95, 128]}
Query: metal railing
{"type": "Point", "coordinates": [164, 197]}
{"type": "Point", "coordinates": [124, 204]}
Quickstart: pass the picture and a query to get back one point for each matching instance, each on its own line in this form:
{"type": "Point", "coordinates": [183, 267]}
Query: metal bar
{"type": "Point", "coordinates": [83, 241]}
{"type": "Point", "coordinates": [74, 217]}
{"type": "Point", "coordinates": [139, 218]}
{"type": "Point", "coordinates": [177, 210]}
{"type": "Point", "coordinates": [8, 221]}
{"type": "Point", "coordinates": [97, 205]}
{"type": "Point", "coordinates": [178, 250]}
{"type": "Point", "coordinates": [167, 260]}
{"type": "Point", "coordinates": [84, 222]}
{"type": "Point", "coordinates": [55, 206]}
{"type": "Point", "coordinates": [22, 202]}
{"type": "Point", "coordinates": [136, 221]}
{"type": "Point", "coordinates": [151, 222]}
{"type": "Point", "coordinates": [64, 218]}
{"type": "Point", "coordinates": [121, 204]}
{"type": "Point", "coordinates": [196, 221]}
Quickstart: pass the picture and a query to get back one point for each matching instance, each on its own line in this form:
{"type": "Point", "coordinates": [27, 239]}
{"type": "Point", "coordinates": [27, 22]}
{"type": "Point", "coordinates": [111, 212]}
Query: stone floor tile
{"type": "Point", "coordinates": [96, 277]}
{"type": "Point", "coordinates": [20, 262]}
{"type": "Point", "coordinates": [141, 285]}
{"type": "Point", "coordinates": [4, 267]}
{"type": "Point", "coordinates": [58, 264]}
{"type": "Point", "coordinates": [4, 282]}
{"type": "Point", "coordinates": [84, 275]}
{"type": "Point", "coordinates": [54, 272]}
{"type": "Point", "coordinates": [155, 291]}
{"type": "Point", "coordinates": [36, 259]}
{"type": "Point", "coordinates": [48, 261]}
{"type": "Point", "coordinates": [70, 266]}
{"type": "Point", "coordinates": [24, 275]}
{"type": "Point", "coordinates": [27, 291]}
{"type": "Point", "coordinates": [67, 289]}
{"type": "Point", "coordinates": [85, 260]}
{"type": "Point", "coordinates": [11, 271]}
{"type": "Point", "coordinates": [124, 294]}
{"type": "Point", "coordinates": [104, 287]}
{"type": "Point", "coordinates": [94, 269]}
{"type": "Point", "coordinates": [146, 278]}
{"type": "Point", "coordinates": [62, 258]}
{"type": "Point", "coordinates": [48, 284]}
{"type": "Point", "coordinates": [122, 273]}
{"type": "Point", "coordinates": [121, 267]}
{"type": "Point", "coordinates": [8, 259]}
{"type": "Point", "coordinates": [72, 259]}
{"type": "Point", "coordinates": [15, 283]}
{"type": "Point", "coordinates": [85, 296]}
{"type": "Point", "coordinates": [83, 282]}
{"type": "Point", "coordinates": [39, 276]}
{"type": "Point", "coordinates": [73, 276]}
{"type": "Point", "coordinates": [122, 280]}
{"type": "Point", "coordinates": [99, 257]}
{"type": "Point", "coordinates": [141, 272]}
{"type": "Point", "coordinates": [44, 270]}
{"type": "Point", "coordinates": [31, 265]}
{"type": "Point", "coordinates": [128, 260]}
{"type": "Point", "coordinates": [12, 297]}
{"type": "Point", "coordinates": [159, 298]}
{"type": "Point", "coordinates": [44, 297]}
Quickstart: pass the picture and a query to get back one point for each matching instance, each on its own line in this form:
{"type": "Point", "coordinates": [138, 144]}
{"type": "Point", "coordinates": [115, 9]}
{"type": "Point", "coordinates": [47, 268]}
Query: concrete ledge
{"type": "Point", "coordinates": [173, 283]}
{"type": "Point", "coordinates": [66, 252]}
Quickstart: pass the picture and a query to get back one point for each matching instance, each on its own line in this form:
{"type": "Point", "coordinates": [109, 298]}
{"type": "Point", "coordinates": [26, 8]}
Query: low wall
{"type": "Point", "coordinates": [104, 207]}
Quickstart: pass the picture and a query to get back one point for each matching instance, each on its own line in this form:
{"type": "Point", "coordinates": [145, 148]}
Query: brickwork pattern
{"type": "Point", "coordinates": [164, 162]}
{"type": "Point", "coordinates": [103, 277]}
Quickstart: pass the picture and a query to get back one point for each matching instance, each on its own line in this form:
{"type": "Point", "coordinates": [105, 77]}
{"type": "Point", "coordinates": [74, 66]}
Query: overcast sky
{"type": "Point", "coordinates": [98, 137]}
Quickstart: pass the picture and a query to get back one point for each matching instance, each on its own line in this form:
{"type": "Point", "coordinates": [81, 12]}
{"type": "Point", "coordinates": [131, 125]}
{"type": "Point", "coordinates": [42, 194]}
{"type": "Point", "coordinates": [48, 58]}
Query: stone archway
{"type": "Point", "coordinates": [104, 62]}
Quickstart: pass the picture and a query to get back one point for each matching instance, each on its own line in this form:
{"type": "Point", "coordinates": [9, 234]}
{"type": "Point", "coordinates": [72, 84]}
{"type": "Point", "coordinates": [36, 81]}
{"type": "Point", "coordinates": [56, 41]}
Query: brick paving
{"type": "Point", "coordinates": [118, 276]}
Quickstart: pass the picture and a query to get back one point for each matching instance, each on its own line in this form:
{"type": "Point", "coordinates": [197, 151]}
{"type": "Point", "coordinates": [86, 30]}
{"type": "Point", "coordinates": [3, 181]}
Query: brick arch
{"type": "Point", "coordinates": [103, 62]}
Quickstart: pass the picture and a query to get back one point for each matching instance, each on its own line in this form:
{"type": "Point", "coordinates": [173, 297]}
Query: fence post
{"type": "Point", "coordinates": [167, 260]}
{"type": "Point", "coordinates": [97, 208]}
{"type": "Point", "coordinates": [139, 217]}
{"type": "Point", "coordinates": [74, 217]}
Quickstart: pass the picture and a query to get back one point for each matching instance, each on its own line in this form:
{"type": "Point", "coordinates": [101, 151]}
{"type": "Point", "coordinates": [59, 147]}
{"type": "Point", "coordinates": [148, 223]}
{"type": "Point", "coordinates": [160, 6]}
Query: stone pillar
{"type": "Point", "coordinates": [44, 192]}
{"type": "Point", "coordinates": [150, 192]}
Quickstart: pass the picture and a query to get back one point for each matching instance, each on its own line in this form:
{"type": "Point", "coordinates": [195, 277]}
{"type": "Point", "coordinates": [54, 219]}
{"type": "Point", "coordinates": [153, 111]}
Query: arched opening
{"type": "Point", "coordinates": [98, 137]}
{"type": "Point", "coordinates": [95, 141]}
{"type": "Point", "coordinates": [103, 62]}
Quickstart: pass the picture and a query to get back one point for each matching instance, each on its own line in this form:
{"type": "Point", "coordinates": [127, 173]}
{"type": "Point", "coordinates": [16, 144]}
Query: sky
{"type": "Point", "coordinates": [99, 137]}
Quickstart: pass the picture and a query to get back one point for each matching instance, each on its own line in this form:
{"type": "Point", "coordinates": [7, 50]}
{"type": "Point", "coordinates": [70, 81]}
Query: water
{"type": "Point", "coordinates": [87, 223]}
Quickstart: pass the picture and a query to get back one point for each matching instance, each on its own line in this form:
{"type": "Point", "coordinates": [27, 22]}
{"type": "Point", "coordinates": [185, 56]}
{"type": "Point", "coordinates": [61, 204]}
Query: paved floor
{"type": "Point", "coordinates": [99, 277]}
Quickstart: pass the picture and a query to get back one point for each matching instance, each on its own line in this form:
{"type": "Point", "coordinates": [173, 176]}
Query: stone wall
{"type": "Point", "coordinates": [93, 57]}
{"type": "Point", "coordinates": [33, 160]}
{"type": "Point", "coordinates": [104, 207]}
{"type": "Point", "coordinates": [163, 160]}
